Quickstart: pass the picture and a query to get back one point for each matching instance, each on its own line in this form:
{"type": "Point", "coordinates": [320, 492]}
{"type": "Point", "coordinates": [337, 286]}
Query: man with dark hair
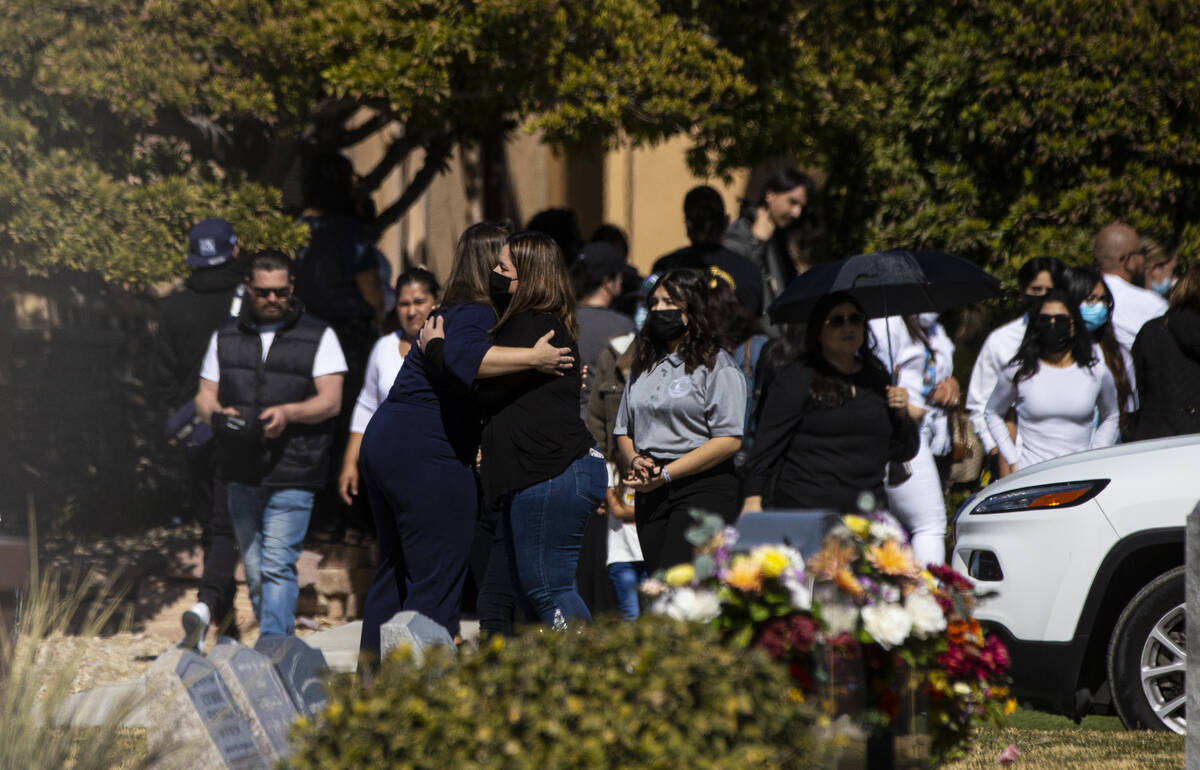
{"type": "Point", "coordinates": [270, 385]}
{"type": "Point", "coordinates": [1121, 258]}
{"type": "Point", "coordinates": [596, 281]}
{"type": "Point", "coordinates": [1036, 277]}
{"type": "Point", "coordinates": [760, 234]}
{"type": "Point", "coordinates": [705, 218]}
{"type": "Point", "coordinates": [188, 317]}
{"type": "Point", "coordinates": [561, 224]}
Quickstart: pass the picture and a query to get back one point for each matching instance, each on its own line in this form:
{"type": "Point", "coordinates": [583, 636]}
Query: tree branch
{"type": "Point", "coordinates": [436, 154]}
{"type": "Point", "coordinates": [396, 152]}
{"type": "Point", "coordinates": [355, 135]}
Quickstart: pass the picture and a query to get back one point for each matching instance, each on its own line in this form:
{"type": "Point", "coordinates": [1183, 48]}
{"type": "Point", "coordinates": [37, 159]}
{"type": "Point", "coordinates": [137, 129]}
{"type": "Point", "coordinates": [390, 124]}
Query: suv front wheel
{"type": "Point", "coordinates": [1147, 657]}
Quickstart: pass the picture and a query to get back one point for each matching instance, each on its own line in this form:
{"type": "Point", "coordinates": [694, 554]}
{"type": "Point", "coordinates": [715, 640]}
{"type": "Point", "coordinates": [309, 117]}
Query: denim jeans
{"type": "Point", "coordinates": [270, 525]}
{"type": "Point", "coordinates": [625, 576]}
{"type": "Point", "coordinates": [547, 520]}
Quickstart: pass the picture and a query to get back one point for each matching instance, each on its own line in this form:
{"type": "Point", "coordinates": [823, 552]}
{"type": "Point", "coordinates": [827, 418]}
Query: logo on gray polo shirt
{"type": "Point", "coordinates": [680, 387]}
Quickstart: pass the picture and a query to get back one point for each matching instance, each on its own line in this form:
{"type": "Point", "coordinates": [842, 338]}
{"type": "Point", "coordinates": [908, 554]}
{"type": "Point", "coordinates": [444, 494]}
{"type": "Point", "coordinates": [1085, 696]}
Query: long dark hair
{"type": "Point", "coordinates": [699, 346]}
{"type": "Point", "coordinates": [1078, 283]}
{"type": "Point", "coordinates": [476, 255]}
{"type": "Point", "coordinates": [829, 386]}
{"type": "Point", "coordinates": [1029, 355]}
{"type": "Point", "coordinates": [542, 282]}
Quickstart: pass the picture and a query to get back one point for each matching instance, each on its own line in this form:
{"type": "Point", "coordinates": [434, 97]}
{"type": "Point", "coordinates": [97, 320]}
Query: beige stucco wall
{"type": "Point", "coordinates": [640, 190]}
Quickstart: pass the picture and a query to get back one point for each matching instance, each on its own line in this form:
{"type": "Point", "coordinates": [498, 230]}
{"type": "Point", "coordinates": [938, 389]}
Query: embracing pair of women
{"type": "Point", "coordinates": [496, 369]}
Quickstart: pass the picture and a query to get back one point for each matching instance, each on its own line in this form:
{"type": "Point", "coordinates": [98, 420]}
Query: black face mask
{"type": "Point", "coordinates": [665, 325]}
{"type": "Point", "coordinates": [498, 286]}
{"type": "Point", "coordinates": [1030, 301]}
{"type": "Point", "coordinates": [1054, 339]}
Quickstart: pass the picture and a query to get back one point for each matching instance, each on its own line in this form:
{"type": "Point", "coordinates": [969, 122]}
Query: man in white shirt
{"type": "Point", "coordinates": [271, 384]}
{"type": "Point", "coordinates": [1122, 260]}
{"type": "Point", "coordinates": [1036, 277]}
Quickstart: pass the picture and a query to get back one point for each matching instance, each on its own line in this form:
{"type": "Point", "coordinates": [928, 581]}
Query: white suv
{"type": "Point", "coordinates": [1085, 555]}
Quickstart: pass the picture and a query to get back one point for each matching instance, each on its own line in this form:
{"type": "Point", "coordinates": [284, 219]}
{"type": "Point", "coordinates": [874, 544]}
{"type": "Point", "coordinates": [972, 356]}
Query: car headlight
{"type": "Point", "coordinates": [1042, 497]}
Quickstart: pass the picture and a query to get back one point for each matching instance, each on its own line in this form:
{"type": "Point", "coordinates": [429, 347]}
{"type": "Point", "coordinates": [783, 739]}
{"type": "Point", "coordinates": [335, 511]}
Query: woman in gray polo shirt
{"type": "Point", "coordinates": [680, 420]}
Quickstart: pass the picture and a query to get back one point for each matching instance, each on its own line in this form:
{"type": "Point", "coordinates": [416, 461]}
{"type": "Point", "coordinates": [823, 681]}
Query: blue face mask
{"type": "Point", "coordinates": [1094, 315]}
{"type": "Point", "coordinates": [1162, 287]}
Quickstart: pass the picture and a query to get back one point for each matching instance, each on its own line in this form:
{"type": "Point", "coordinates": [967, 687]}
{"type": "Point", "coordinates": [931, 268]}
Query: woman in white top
{"type": "Point", "coordinates": [1058, 386]}
{"type": "Point", "coordinates": [920, 357]}
{"type": "Point", "coordinates": [416, 296]}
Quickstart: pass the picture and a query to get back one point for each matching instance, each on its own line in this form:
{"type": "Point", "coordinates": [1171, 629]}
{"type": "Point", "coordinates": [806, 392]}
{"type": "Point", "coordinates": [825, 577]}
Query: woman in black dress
{"type": "Point", "coordinates": [830, 422]}
{"type": "Point", "coordinates": [1166, 355]}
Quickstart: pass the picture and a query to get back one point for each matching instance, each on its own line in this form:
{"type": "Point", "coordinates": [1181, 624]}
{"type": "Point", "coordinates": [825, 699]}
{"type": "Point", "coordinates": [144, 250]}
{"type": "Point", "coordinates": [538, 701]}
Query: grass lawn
{"type": "Point", "coordinates": [1053, 742]}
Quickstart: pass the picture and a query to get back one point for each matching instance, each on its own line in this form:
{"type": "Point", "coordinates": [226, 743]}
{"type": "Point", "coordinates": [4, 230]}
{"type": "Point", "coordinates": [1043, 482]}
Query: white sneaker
{"type": "Point", "coordinates": [195, 627]}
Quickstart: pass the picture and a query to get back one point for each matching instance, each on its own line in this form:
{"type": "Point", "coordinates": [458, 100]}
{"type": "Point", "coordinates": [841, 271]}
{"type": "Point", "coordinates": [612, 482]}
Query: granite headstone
{"type": "Point", "coordinates": [300, 667]}
{"type": "Point", "coordinates": [417, 631]}
{"type": "Point", "coordinates": [259, 692]}
{"type": "Point", "coordinates": [199, 725]}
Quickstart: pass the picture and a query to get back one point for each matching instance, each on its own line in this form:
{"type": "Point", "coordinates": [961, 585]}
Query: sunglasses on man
{"type": "Point", "coordinates": [264, 292]}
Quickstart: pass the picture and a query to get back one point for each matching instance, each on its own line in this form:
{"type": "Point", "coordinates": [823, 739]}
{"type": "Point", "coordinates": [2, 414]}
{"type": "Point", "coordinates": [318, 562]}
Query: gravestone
{"type": "Point", "coordinates": [259, 693]}
{"type": "Point", "coordinates": [301, 669]}
{"type": "Point", "coordinates": [415, 630]}
{"type": "Point", "coordinates": [197, 723]}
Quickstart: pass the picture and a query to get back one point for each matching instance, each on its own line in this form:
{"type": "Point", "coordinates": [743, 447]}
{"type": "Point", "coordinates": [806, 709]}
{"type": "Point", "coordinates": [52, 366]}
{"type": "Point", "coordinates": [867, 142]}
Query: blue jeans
{"type": "Point", "coordinates": [625, 576]}
{"type": "Point", "coordinates": [547, 521]}
{"type": "Point", "coordinates": [270, 525]}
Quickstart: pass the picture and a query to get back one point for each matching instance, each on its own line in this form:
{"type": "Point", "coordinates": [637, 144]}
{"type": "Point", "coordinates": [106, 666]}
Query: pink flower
{"type": "Point", "coordinates": [1009, 755]}
{"type": "Point", "coordinates": [994, 659]}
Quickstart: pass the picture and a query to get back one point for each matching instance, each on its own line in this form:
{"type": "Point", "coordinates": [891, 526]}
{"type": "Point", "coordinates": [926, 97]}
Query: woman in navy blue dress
{"type": "Point", "coordinates": [418, 451]}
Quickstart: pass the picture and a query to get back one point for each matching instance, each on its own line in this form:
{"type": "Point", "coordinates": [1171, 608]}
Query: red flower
{"type": "Point", "coordinates": [994, 658]}
{"type": "Point", "coordinates": [889, 702]}
{"type": "Point", "coordinates": [802, 632]}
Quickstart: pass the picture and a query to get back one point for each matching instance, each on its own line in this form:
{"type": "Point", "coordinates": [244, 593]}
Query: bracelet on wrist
{"type": "Point", "coordinates": [666, 477]}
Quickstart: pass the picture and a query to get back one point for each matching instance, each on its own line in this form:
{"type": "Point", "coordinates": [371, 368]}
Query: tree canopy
{"type": "Point", "coordinates": [999, 129]}
{"type": "Point", "coordinates": [123, 121]}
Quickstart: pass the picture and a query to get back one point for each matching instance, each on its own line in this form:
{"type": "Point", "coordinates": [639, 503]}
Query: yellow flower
{"type": "Point", "coordinates": [857, 524]}
{"type": "Point", "coordinates": [1010, 706]}
{"type": "Point", "coordinates": [680, 575]}
{"type": "Point", "coordinates": [835, 555]}
{"type": "Point", "coordinates": [744, 575]}
{"type": "Point", "coordinates": [770, 560]}
{"type": "Point", "coordinates": [846, 581]}
{"type": "Point", "coordinates": [334, 711]}
{"type": "Point", "coordinates": [796, 695]}
{"type": "Point", "coordinates": [892, 558]}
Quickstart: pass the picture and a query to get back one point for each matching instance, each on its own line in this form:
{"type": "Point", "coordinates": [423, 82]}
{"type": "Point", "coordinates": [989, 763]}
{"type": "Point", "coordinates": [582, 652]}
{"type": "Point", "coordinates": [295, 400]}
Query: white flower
{"type": "Point", "coordinates": [889, 592]}
{"type": "Point", "coordinates": [794, 557]}
{"type": "Point", "coordinates": [888, 624]}
{"type": "Point", "coordinates": [926, 614]}
{"type": "Point", "coordinates": [688, 603]}
{"type": "Point", "coordinates": [839, 618]}
{"type": "Point", "coordinates": [799, 588]}
{"type": "Point", "coordinates": [887, 530]}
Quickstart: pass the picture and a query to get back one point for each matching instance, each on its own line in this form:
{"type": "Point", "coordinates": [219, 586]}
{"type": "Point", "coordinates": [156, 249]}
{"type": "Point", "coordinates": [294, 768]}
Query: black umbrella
{"type": "Point", "coordinates": [888, 283]}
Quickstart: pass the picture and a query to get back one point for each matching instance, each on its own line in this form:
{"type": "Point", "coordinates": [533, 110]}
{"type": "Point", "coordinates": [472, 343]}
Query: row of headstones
{"type": "Point", "coordinates": [234, 707]}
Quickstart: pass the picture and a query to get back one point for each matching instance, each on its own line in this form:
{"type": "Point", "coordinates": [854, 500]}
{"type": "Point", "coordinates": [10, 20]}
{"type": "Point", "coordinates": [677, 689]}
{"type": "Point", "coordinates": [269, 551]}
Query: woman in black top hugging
{"type": "Point", "coordinates": [537, 456]}
{"type": "Point", "coordinates": [680, 421]}
{"type": "Point", "coordinates": [830, 422]}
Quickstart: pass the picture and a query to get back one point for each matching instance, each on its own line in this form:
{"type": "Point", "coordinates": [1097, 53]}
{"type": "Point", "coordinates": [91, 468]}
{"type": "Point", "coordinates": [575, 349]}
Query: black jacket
{"type": "Point", "coordinates": [187, 318]}
{"type": "Point", "coordinates": [299, 457]}
{"type": "Point", "coordinates": [1166, 359]}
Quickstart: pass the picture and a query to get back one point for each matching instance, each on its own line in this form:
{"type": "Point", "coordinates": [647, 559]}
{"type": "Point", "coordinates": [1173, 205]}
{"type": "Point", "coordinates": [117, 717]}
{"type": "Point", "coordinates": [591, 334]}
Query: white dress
{"type": "Point", "coordinates": [1056, 412]}
{"type": "Point", "coordinates": [382, 368]}
{"type": "Point", "coordinates": [918, 501]}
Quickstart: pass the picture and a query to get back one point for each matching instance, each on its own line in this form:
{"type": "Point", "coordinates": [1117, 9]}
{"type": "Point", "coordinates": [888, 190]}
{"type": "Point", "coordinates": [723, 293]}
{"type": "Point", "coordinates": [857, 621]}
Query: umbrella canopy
{"type": "Point", "coordinates": [888, 283]}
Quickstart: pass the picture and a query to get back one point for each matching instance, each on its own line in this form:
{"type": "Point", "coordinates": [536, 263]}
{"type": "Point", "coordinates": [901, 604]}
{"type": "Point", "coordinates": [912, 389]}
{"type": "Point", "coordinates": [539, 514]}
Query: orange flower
{"type": "Point", "coordinates": [846, 581]}
{"type": "Point", "coordinates": [744, 575]}
{"type": "Point", "coordinates": [959, 631]}
{"type": "Point", "coordinates": [892, 558]}
{"type": "Point", "coordinates": [835, 556]}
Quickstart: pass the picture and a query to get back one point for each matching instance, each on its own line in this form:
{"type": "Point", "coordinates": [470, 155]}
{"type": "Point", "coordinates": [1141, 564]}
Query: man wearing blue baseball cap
{"type": "Point", "coordinates": [188, 316]}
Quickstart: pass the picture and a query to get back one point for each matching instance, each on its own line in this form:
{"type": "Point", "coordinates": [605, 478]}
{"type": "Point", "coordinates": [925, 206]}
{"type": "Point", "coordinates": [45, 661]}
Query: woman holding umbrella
{"type": "Point", "coordinates": [830, 422]}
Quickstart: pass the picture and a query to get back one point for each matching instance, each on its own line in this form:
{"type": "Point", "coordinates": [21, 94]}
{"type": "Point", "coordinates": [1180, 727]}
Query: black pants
{"type": "Point", "coordinates": [217, 586]}
{"type": "Point", "coordinates": [664, 515]}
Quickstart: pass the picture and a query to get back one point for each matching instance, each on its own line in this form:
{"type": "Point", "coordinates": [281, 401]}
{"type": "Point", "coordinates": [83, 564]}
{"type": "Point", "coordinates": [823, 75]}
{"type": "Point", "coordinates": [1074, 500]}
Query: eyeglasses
{"type": "Point", "coordinates": [1058, 319]}
{"type": "Point", "coordinates": [838, 321]}
{"type": "Point", "coordinates": [263, 292]}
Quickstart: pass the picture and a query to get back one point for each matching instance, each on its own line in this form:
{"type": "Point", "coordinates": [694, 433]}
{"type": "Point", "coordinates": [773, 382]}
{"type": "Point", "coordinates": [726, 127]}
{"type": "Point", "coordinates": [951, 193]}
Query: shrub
{"type": "Point", "coordinates": [655, 693]}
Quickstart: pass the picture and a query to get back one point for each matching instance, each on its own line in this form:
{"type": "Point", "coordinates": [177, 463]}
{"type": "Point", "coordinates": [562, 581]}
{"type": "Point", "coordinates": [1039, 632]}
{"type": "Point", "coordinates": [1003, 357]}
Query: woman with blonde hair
{"type": "Point", "coordinates": [418, 451]}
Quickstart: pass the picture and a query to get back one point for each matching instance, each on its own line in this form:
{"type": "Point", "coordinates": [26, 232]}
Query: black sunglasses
{"type": "Point", "coordinates": [263, 292]}
{"type": "Point", "coordinates": [838, 321]}
{"type": "Point", "coordinates": [1058, 319]}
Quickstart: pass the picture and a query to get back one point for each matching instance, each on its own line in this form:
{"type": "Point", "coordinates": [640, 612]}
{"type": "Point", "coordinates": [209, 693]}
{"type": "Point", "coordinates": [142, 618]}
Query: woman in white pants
{"type": "Point", "coordinates": [921, 359]}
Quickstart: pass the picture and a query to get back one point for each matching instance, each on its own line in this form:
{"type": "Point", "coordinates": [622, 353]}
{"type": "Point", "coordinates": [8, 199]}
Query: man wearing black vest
{"type": "Point", "coordinates": [271, 384]}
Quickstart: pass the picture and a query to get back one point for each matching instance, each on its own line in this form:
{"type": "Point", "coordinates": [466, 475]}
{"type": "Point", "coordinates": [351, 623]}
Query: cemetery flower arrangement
{"type": "Point", "coordinates": [859, 597]}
